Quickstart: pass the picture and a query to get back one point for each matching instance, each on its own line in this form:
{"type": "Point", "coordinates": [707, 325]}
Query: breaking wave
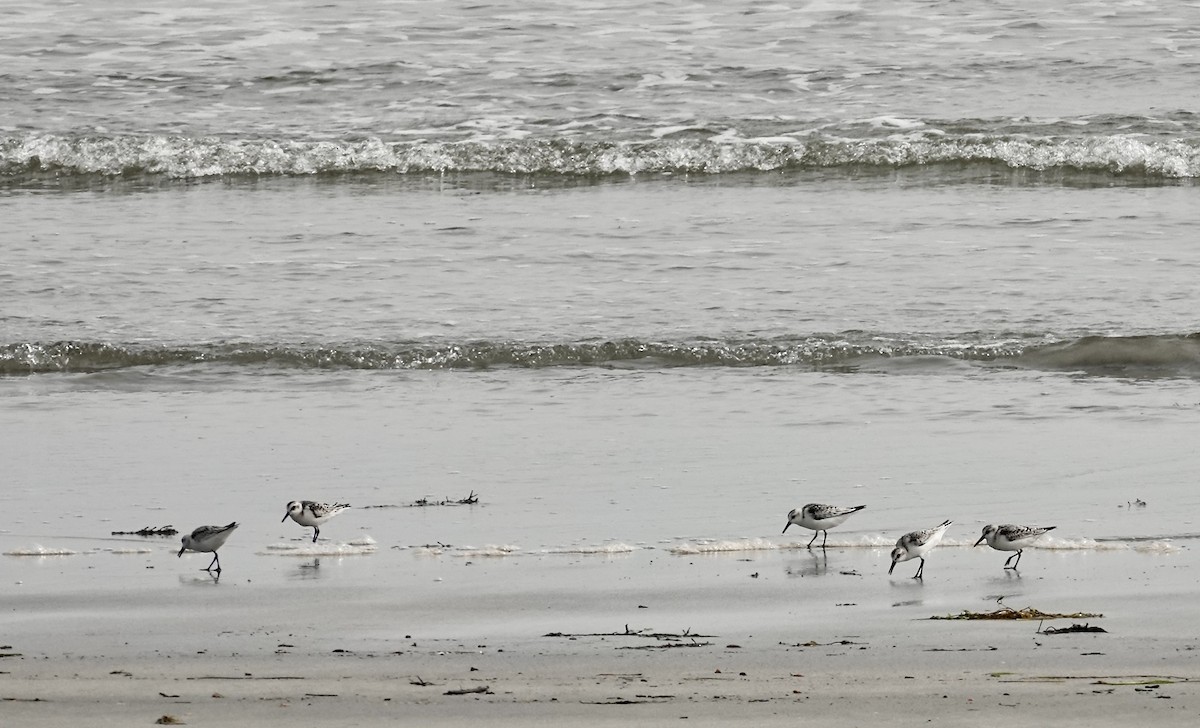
{"type": "Point", "coordinates": [36, 158]}
{"type": "Point", "coordinates": [1131, 356]}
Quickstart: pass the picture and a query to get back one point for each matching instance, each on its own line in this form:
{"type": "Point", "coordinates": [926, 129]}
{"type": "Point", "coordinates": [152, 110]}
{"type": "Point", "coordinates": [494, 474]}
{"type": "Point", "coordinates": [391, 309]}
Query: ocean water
{"type": "Point", "coordinates": [642, 276]}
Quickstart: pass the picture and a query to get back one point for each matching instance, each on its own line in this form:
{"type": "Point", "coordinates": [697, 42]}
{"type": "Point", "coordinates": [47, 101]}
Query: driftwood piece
{"type": "Point", "coordinates": [482, 689]}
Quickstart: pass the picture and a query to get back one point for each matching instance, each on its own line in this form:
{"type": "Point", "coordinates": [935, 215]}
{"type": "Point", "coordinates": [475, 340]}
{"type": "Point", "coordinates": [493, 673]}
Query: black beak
{"type": "Point", "coordinates": [981, 538]}
{"type": "Point", "coordinates": [893, 566]}
{"type": "Point", "coordinates": [181, 551]}
{"type": "Point", "coordinates": [285, 515]}
{"type": "Point", "coordinates": [785, 528]}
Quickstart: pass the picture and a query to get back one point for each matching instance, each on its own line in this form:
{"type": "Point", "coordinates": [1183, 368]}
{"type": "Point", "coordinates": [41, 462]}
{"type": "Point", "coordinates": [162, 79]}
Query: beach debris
{"type": "Point", "coordinates": [666, 645]}
{"type": "Point", "coordinates": [470, 499]}
{"type": "Point", "coordinates": [1009, 613]}
{"type": "Point", "coordinates": [814, 643]}
{"type": "Point", "coordinates": [1073, 628]}
{"type": "Point", "coordinates": [167, 530]}
{"type": "Point", "coordinates": [169, 720]}
{"type": "Point", "coordinates": [1118, 680]}
{"type": "Point", "coordinates": [166, 695]}
{"type": "Point", "coordinates": [670, 639]}
{"type": "Point", "coordinates": [962, 649]}
{"type": "Point", "coordinates": [482, 689]}
{"type": "Point", "coordinates": [1155, 681]}
{"type": "Point", "coordinates": [685, 634]}
{"type": "Point", "coordinates": [1135, 503]}
{"type": "Point", "coordinates": [420, 682]}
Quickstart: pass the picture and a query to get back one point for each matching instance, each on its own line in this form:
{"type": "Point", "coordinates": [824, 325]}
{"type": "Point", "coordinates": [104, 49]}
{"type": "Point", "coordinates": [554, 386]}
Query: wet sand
{"type": "Point", "coordinates": [750, 638]}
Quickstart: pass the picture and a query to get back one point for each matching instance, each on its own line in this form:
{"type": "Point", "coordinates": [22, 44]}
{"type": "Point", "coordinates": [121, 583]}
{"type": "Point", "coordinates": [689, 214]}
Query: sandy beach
{"type": "Point", "coordinates": [750, 638]}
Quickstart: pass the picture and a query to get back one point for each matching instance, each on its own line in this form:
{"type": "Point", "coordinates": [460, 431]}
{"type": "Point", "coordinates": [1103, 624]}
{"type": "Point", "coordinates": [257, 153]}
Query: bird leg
{"type": "Point", "coordinates": [316, 532]}
{"type": "Point", "coordinates": [920, 569]}
{"type": "Point", "coordinates": [216, 560]}
{"type": "Point", "coordinates": [814, 538]}
{"type": "Point", "coordinates": [1016, 556]}
{"type": "Point", "coordinates": [824, 539]}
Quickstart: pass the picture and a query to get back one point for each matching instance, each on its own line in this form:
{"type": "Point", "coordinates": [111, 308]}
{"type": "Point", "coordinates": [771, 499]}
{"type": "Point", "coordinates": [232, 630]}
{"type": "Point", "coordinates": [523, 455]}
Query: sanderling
{"type": "Point", "coordinates": [1007, 537]}
{"type": "Point", "coordinates": [915, 545]}
{"type": "Point", "coordinates": [820, 517]}
{"type": "Point", "coordinates": [311, 513]}
{"type": "Point", "coordinates": [208, 538]}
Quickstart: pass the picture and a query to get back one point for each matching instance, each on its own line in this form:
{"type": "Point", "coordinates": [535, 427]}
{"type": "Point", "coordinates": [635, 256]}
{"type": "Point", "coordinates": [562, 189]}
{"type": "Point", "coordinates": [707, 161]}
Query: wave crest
{"type": "Point", "coordinates": [32, 157]}
{"type": "Point", "coordinates": [1138, 356]}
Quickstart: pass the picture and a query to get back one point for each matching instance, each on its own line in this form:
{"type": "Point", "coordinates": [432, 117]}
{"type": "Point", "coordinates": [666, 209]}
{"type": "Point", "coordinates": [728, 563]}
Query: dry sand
{"type": "Point", "coordinates": [553, 680]}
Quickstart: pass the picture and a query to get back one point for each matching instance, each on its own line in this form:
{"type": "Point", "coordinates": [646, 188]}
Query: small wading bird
{"type": "Point", "coordinates": [915, 545]}
{"type": "Point", "coordinates": [208, 539]}
{"type": "Point", "coordinates": [311, 513]}
{"type": "Point", "coordinates": [820, 517]}
{"type": "Point", "coordinates": [1007, 537]}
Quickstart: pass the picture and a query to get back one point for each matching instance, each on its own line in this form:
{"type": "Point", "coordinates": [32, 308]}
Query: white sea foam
{"type": "Point", "coordinates": [356, 547]}
{"type": "Point", "coordinates": [489, 550]}
{"type": "Point", "coordinates": [1088, 544]}
{"type": "Point", "coordinates": [130, 550]}
{"type": "Point", "coordinates": [39, 550]}
{"type": "Point", "coordinates": [882, 541]}
{"type": "Point", "coordinates": [715, 546]}
{"type": "Point", "coordinates": [601, 550]}
{"type": "Point", "coordinates": [493, 550]}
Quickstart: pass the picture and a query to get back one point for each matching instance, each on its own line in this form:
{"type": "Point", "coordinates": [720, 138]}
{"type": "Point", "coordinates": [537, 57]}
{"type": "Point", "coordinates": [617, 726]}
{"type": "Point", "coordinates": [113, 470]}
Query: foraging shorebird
{"type": "Point", "coordinates": [208, 539]}
{"type": "Point", "coordinates": [311, 513]}
{"type": "Point", "coordinates": [820, 517]}
{"type": "Point", "coordinates": [915, 545]}
{"type": "Point", "coordinates": [1007, 537]}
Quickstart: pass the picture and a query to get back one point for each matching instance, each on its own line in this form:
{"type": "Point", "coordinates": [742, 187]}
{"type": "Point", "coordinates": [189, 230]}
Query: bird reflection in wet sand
{"type": "Point", "coordinates": [309, 570]}
{"type": "Point", "coordinates": [816, 564]}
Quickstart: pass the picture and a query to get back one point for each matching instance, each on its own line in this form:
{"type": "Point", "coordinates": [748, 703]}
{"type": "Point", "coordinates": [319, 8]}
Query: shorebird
{"type": "Point", "coordinates": [820, 517]}
{"type": "Point", "coordinates": [311, 513]}
{"type": "Point", "coordinates": [209, 539]}
{"type": "Point", "coordinates": [1007, 537]}
{"type": "Point", "coordinates": [915, 545]}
